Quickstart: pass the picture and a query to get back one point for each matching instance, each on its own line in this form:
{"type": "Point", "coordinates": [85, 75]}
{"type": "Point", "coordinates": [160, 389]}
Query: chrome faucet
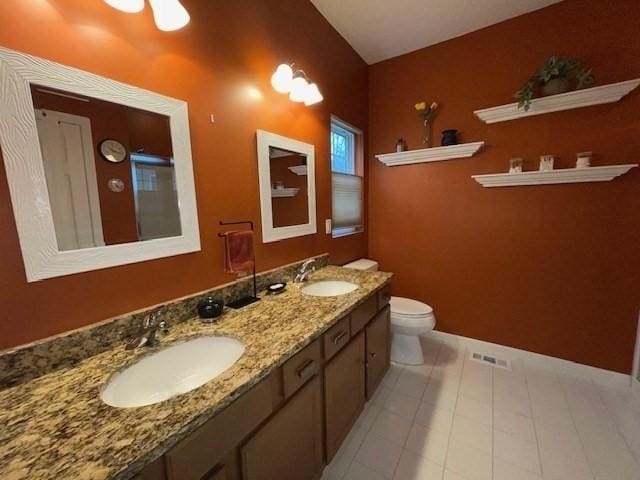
{"type": "Point", "coordinates": [146, 336]}
{"type": "Point", "coordinates": [306, 269]}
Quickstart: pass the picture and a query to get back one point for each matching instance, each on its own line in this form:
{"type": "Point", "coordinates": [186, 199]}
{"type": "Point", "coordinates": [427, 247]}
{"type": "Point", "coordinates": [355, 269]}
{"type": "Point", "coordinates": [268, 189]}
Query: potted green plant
{"type": "Point", "coordinates": [554, 77]}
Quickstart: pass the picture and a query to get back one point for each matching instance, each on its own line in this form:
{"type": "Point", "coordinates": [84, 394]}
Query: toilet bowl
{"type": "Point", "coordinates": [409, 319]}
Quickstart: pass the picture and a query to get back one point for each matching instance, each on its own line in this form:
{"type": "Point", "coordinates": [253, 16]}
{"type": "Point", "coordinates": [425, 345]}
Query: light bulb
{"type": "Point", "coordinates": [169, 15]}
{"type": "Point", "coordinates": [282, 78]}
{"type": "Point", "coordinates": [129, 6]}
{"type": "Point", "coordinates": [312, 95]}
{"type": "Point", "coordinates": [298, 89]}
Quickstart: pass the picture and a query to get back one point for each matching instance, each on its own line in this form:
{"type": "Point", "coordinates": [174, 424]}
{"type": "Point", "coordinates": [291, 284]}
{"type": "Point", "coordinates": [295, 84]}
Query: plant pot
{"type": "Point", "coordinates": [556, 86]}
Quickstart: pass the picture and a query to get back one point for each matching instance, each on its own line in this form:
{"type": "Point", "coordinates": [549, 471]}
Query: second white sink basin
{"type": "Point", "coordinates": [329, 288]}
{"type": "Point", "coordinates": [177, 369]}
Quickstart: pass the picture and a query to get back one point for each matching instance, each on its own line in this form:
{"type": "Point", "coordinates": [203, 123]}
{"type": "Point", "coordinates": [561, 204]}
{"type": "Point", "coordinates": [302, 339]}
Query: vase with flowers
{"type": "Point", "coordinates": [426, 114]}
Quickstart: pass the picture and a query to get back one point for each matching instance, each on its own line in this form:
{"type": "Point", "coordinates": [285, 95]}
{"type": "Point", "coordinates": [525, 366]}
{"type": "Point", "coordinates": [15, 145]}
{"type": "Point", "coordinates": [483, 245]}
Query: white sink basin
{"type": "Point", "coordinates": [329, 288]}
{"type": "Point", "coordinates": [172, 371]}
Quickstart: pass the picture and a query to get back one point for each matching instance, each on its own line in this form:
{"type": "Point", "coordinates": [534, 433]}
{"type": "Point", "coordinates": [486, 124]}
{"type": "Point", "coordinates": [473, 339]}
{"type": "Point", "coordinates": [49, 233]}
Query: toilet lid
{"type": "Point", "coordinates": [409, 307]}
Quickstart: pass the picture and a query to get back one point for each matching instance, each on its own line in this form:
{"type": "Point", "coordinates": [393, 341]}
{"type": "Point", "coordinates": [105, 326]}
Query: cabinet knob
{"type": "Point", "coordinates": [373, 354]}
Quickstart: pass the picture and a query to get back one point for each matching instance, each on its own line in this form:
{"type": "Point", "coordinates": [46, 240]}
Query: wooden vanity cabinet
{"type": "Point", "coordinates": [344, 392]}
{"type": "Point", "coordinates": [289, 446]}
{"type": "Point", "coordinates": [288, 424]}
{"type": "Point", "coordinates": [378, 349]}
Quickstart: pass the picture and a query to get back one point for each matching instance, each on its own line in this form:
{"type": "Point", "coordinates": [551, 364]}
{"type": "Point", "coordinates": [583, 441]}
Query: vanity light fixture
{"type": "Point", "coordinates": [296, 84]}
{"type": "Point", "coordinates": [169, 15]}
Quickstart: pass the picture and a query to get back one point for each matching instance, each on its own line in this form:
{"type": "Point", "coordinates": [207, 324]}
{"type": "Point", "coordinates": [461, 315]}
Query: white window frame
{"type": "Point", "coordinates": [358, 167]}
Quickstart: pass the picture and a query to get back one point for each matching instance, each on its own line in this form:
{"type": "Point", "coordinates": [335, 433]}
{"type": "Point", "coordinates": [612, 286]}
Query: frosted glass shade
{"type": "Point", "coordinates": [129, 6]}
{"type": "Point", "coordinates": [298, 90]}
{"type": "Point", "coordinates": [313, 95]}
{"type": "Point", "coordinates": [169, 15]}
{"type": "Point", "coordinates": [282, 78]}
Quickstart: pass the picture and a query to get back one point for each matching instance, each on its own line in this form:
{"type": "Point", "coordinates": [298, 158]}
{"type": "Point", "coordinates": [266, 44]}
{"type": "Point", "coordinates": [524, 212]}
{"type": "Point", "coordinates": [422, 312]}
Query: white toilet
{"type": "Point", "coordinates": [409, 319]}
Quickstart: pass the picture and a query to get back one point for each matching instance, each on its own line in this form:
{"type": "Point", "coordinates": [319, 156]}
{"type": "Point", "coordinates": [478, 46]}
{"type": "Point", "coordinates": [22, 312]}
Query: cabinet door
{"type": "Point", "coordinates": [289, 446]}
{"type": "Point", "coordinates": [378, 349]}
{"type": "Point", "coordinates": [344, 390]}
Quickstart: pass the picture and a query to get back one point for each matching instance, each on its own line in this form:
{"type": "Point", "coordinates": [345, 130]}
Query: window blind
{"type": "Point", "coordinates": [347, 200]}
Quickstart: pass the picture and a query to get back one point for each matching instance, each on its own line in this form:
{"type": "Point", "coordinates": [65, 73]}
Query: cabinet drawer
{"type": "Point", "coordinates": [196, 455]}
{"type": "Point", "coordinates": [301, 367]}
{"type": "Point", "coordinates": [362, 314]}
{"type": "Point", "coordinates": [336, 337]}
{"type": "Point", "coordinates": [384, 296]}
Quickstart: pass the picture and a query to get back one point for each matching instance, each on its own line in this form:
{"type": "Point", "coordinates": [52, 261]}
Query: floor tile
{"type": "Point", "coordinates": [428, 443]}
{"type": "Point", "coordinates": [469, 462]}
{"type": "Point", "coordinates": [519, 426]}
{"type": "Point", "coordinates": [411, 384]}
{"type": "Point", "coordinates": [402, 405]}
{"type": "Point", "coordinates": [451, 475]}
{"type": "Point", "coordinates": [380, 396]}
{"type": "Point", "coordinates": [357, 471]}
{"type": "Point", "coordinates": [433, 417]}
{"type": "Point", "coordinates": [560, 438]}
{"type": "Point", "coordinates": [415, 467]}
{"type": "Point", "coordinates": [477, 390]}
{"type": "Point", "coordinates": [379, 454]}
{"type": "Point", "coordinates": [391, 377]}
{"type": "Point", "coordinates": [505, 471]}
{"type": "Point", "coordinates": [517, 452]}
{"type": "Point", "coordinates": [472, 433]}
{"type": "Point", "coordinates": [511, 401]}
{"type": "Point", "coordinates": [392, 427]}
{"type": "Point", "coordinates": [441, 397]}
{"type": "Point", "coordinates": [474, 409]}
{"type": "Point", "coordinates": [557, 466]}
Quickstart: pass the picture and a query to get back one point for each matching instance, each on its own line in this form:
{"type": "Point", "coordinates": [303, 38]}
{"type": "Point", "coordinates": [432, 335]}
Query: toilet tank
{"type": "Point", "coordinates": [363, 264]}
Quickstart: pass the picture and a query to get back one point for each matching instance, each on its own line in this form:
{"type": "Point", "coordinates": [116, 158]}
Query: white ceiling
{"type": "Point", "coordinates": [381, 29]}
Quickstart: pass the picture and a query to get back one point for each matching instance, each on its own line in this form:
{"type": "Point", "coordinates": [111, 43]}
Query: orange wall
{"type": "Point", "coordinates": [551, 269]}
{"type": "Point", "coordinates": [228, 48]}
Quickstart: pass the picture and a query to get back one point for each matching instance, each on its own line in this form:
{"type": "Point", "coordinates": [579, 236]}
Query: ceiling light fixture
{"type": "Point", "coordinates": [129, 6]}
{"type": "Point", "coordinates": [296, 84]}
{"type": "Point", "coordinates": [169, 15]}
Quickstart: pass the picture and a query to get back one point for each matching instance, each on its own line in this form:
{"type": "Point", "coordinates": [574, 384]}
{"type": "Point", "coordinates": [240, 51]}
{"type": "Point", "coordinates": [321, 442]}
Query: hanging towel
{"type": "Point", "coordinates": [238, 251]}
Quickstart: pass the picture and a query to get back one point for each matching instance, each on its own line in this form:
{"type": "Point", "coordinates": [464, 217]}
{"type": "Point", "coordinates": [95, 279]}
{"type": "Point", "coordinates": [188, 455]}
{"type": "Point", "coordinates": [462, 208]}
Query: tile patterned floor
{"type": "Point", "coordinates": [456, 419]}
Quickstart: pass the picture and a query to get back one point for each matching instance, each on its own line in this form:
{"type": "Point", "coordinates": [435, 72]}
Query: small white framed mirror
{"type": "Point", "coordinates": [100, 172]}
{"type": "Point", "coordinates": [286, 169]}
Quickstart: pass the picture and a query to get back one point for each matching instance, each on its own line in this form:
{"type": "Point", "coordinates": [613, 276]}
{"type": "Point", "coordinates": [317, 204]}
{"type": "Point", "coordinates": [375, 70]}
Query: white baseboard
{"type": "Point", "coordinates": [597, 375]}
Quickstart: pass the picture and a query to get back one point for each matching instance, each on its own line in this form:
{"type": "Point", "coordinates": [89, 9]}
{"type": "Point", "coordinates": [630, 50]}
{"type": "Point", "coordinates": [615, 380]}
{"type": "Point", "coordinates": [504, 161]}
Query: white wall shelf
{"type": "Point", "coordinates": [299, 169]}
{"type": "Point", "coordinates": [556, 103]}
{"type": "Point", "coordinates": [566, 175]}
{"type": "Point", "coordinates": [434, 154]}
{"type": "Point", "coordinates": [284, 192]}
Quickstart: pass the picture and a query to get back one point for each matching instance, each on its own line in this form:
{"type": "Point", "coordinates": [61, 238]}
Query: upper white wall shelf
{"type": "Point", "coordinates": [434, 154]}
{"type": "Point", "coordinates": [299, 169]}
{"type": "Point", "coordinates": [566, 175]}
{"type": "Point", "coordinates": [555, 103]}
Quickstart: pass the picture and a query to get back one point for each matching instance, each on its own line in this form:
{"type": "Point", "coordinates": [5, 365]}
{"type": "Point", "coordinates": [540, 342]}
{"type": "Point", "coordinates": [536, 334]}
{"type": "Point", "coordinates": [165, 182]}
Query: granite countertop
{"type": "Point", "coordinates": [56, 426]}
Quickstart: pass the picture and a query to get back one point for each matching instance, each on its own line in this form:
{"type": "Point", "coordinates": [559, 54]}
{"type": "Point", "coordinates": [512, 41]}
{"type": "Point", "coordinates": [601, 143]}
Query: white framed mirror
{"type": "Point", "coordinates": [286, 170]}
{"type": "Point", "coordinates": [100, 173]}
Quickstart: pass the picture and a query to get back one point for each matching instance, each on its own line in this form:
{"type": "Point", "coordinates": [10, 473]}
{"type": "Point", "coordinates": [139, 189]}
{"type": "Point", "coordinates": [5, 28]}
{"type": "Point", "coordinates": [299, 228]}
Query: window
{"type": "Point", "coordinates": [346, 179]}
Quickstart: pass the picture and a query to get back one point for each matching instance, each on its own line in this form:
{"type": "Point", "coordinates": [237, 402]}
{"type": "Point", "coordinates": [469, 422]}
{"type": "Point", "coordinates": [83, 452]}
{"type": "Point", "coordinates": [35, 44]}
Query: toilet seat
{"type": "Point", "coordinates": [408, 308]}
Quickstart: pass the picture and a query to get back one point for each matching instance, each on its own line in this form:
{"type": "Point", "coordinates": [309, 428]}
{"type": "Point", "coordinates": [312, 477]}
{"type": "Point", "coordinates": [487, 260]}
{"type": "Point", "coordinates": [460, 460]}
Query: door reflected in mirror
{"type": "Point", "coordinates": [109, 170]}
{"type": "Point", "coordinates": [289, 195]}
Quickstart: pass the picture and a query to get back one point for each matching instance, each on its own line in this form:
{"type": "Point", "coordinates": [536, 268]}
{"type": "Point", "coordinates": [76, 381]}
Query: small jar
{"type": "Point", "coordinates": [401, 145]}
{"type": "Point", "coordinates": [583, 160]}
{"type": "Point", "coordinates": [546, 163]}
{"type": "Point", "coordinates": [515, 165]}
